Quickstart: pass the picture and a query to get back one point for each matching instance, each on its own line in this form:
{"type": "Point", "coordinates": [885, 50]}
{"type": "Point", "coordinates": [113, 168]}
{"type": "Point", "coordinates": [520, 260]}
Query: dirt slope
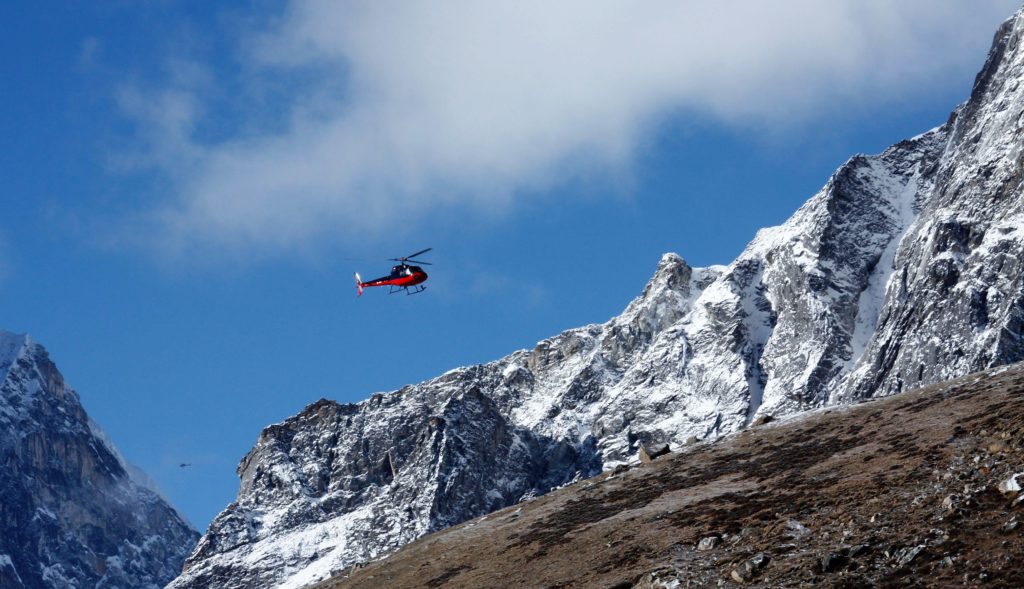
{"type": "Point", "coordinates": [897, 492]}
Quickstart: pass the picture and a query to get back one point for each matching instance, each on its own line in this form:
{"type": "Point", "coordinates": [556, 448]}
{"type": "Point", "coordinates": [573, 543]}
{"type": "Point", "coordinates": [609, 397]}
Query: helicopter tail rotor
{"type": "Point", "coordinates": [359, 285]}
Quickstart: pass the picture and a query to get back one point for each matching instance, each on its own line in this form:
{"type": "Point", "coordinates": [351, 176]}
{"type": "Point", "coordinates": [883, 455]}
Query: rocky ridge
{"type": "Point", "coordinates": [73, 512]}
{"type": "Point", "coordinates": [903, 270]}
{"type": "Point", "coordinates": [922, 489]}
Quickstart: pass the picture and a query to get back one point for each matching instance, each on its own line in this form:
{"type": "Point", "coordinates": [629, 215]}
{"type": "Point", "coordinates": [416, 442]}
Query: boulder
{"type": "Point", "coordinates": [708, 543]}
{"type": "Point", "coordinates": [649, 453]}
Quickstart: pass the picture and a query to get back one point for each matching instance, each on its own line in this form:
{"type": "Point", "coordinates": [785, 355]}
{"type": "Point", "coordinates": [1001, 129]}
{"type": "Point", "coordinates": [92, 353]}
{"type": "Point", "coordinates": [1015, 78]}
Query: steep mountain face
{"type": "Point", "coordinates": [903, 270]}
{"type": "Point", "coordinates": [344, 483]}
{"type": "Point", "coordinates": [73, 513]}
{"type": "Point", "coordinates": [956, 300]}
{"type": "Point", "coordinates": [918, 490]}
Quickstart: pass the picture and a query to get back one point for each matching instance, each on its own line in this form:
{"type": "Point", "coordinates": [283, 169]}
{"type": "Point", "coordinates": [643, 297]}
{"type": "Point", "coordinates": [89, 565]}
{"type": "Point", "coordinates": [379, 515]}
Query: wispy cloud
{"type": "Point", "coordinates": [398, 108]}
{"type": "Point", "coordinates": [89, 52]}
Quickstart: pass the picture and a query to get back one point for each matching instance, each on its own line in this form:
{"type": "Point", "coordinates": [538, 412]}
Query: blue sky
{"type": "Point", "coordinates": [187, 190]}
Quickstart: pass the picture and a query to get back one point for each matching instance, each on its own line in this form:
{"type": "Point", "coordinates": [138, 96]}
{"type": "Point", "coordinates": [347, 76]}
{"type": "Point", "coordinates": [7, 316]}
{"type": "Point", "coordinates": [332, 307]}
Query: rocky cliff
{"type": "Point", "coordinates": [902, 271]}
{"type": "Point", "coordinates": [911, 491]}
{"type": "Point", "coordinates": [73, 513]}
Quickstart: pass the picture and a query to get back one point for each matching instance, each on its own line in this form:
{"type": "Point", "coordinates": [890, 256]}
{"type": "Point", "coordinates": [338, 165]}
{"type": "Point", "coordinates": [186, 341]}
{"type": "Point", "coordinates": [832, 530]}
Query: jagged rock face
{"type": "Point", "coordinates": [957, 301]}
{"type": "Point", "coordinates": [394, 468]}
{"type": "Point", "coordinates": [903, 270]}
{"type": "Point", "coordinates": [72, 513]}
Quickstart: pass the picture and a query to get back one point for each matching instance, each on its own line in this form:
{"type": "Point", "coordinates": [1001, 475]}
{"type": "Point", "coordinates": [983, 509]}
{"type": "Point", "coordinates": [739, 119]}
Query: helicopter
{"type": "Point", "coordinates": [402, 277]}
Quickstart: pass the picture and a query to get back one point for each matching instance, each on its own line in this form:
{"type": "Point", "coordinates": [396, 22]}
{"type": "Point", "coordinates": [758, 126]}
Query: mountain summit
{"type": "Point", "coordinates": [903, 270]}
{"type": "Point", "coordinates": [73, 512]}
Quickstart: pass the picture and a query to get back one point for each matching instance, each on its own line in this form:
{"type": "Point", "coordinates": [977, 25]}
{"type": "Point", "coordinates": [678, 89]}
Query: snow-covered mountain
{"type": "Point", "coordinates": [905, 269]}
{"type": "Point", "coordinates": [73, 512]}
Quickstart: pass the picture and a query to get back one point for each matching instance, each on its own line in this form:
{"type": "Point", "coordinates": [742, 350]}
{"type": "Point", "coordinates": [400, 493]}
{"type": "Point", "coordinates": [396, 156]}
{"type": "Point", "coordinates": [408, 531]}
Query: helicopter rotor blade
{"type": "Point", "coordinates": [419, 262]}
{"type": "Point", "coordinates": [418, 253]}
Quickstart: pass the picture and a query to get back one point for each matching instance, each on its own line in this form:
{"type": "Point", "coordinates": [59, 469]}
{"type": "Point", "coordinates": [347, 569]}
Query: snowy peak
{"type": "Point", "coordinates": [33, 392]}
{"type": "Point", "coordinates": [668, 296]}
{"type": "Point", "coordinates": [61, 477]}
{"type": "Point", "coordinates": [673, 274]}
{"type": "Point", "coordinates": [996, 78]}
{"type": "Point", "coordinates": [11, 345]}
{"type": "Point", "coordinates": [11, 348]}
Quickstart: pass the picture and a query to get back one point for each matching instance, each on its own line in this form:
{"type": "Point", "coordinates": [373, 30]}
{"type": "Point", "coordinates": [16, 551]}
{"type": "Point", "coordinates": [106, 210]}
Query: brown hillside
{"type": "Point", "coordinates": [898, 492]}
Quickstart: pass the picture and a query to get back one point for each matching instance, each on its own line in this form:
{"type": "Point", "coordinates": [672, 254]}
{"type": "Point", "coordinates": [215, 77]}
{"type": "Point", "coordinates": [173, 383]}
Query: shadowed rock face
{"type": "Point", "coordinates": [903, 270]}
{"type": "Point", "coordinates": [71, 513]}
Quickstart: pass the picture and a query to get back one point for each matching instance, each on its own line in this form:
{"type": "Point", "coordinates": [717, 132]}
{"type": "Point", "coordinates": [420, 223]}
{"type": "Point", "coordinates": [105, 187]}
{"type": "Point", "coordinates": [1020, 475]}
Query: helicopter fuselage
{"type": "Point", "coordinates": [402, 276]}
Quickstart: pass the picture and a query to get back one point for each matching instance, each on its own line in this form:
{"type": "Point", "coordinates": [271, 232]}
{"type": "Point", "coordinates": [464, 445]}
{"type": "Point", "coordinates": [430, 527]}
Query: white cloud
{"type": "Point", "coordinates": [404, 107]}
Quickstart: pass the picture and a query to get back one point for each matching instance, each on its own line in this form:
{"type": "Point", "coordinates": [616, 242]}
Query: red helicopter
{"type": "Point", "coordinates": [402, 277]}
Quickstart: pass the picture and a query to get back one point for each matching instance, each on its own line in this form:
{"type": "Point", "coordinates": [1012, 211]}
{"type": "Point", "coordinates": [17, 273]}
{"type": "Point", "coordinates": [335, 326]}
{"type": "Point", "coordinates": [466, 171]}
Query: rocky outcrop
{"type": "Point", "coordinates": [73, 513]}
{"type": "Point", "coordinates": [398, 466]}
{"type": "Point", "coordinates": [904, 269]}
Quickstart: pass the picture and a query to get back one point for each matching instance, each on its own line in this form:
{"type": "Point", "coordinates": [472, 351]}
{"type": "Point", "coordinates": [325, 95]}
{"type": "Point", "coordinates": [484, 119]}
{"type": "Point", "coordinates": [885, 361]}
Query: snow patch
{"type": "Point", "coordinates": [872, 298]}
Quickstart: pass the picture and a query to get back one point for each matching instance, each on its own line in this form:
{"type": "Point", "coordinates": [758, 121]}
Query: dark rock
{"type": "Point", "coordinates": [860, 550]}
{"type": "Point", "coordinates": [647, 455]}
{"type": "Point", "coordinates": [905, 556]}
{"type": "Point", "coordinates": [750, 568]}
{"type": "Point", "coordinates": [834, 561]}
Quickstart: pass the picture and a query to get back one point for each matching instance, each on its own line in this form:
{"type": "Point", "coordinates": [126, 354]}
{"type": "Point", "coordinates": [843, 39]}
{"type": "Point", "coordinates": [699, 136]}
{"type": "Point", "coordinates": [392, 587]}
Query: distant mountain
{"type": "Point", "coordinates": [904, 270]}
{"type": "Point", "coordinates": [73, 513]}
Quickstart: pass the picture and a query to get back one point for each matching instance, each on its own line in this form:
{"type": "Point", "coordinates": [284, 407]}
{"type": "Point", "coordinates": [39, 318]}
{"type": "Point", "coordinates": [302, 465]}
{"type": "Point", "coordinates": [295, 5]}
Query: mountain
{"type": "Point", "coordinates": [903, 270]}
{"type": "Point", "coordinates": [916, 490]}
{"type": "Point", "coordinates": [73, 513]}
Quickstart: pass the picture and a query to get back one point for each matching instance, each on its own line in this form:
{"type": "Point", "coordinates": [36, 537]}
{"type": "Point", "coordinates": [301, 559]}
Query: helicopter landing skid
{"type": "Point", "coordinates": [409, 290]}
